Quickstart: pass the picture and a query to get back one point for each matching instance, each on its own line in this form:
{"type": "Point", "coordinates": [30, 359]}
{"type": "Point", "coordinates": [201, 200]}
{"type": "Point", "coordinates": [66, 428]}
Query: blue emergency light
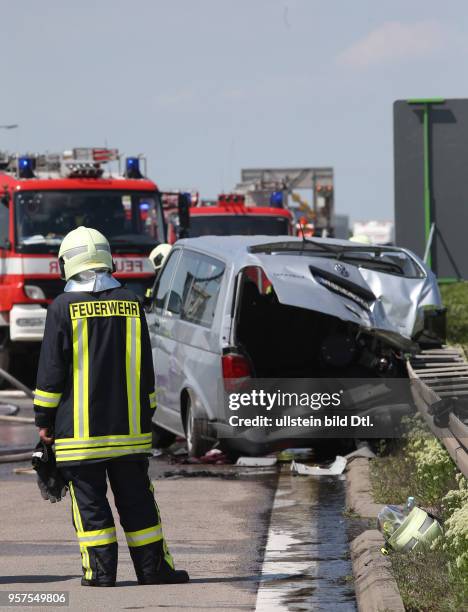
{"type": "Point", "coordinates": [25, 167]}
{"type": "Point", "coordinates": [132, 168]}
{"type": "Point", "coordinates": [276, 199]}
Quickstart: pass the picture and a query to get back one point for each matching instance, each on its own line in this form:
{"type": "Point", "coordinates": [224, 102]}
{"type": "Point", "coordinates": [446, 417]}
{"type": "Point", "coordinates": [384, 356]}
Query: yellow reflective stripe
{"type": "Point", "coordinates": [44, 404]}
{"type": "Point", "coordinates": [79, 527]}
{"type": "Point", "coordinates": [167, 554]}
{"type": "Point", "coordinates": [46, 398]}
{"type": "Point", "coordinates": [98, 537]}
{"type": "Point", "coordinates": [72, 455]}
{"type": "Point", "coordinates": [96, 451]}
{"type": "Point", "coordinates": [91, 442]}
{"type": "Point", "coordinates": [80, 377]}
{"type": "Point", "coordinates": [97, 532]}
{"type": "Point", "coordinates": [76, 379]}
{"type": "Point", "coordinates": [47, 394]}
{"type": "Point", "coordinates": [128, 371]}
{"type": "Point", "coordinates": [132, 367]}
{"type": "Point", "coordinates": [152, 399]}
{"type": "Point", "coordinates": [100, 542]}
{"type": "Point", "coordinates": [138, 373]}
{"type": "Point", "coordinates": [97, 438]}
{"type": "Point", "coordinates": [144, 536]}
{"type": "Point", "coordinates": [75, 509]}
{"type": "Point", "coordinates": [85, 380]}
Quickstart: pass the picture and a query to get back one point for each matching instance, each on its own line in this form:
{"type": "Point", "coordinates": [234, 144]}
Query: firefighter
{"type": "Point", "coordinates": [95, 399]}
{"type": "Point", "coordinates": [158, 256]}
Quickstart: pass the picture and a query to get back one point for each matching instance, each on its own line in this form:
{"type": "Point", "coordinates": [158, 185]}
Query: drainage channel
{"type": "Point", "coordinates": [307, 548]}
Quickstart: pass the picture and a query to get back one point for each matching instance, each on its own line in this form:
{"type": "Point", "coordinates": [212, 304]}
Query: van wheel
{"type": "Point", "coordinates": [161, 438]}
{"type": "Point", "coordinates": [197, 433]}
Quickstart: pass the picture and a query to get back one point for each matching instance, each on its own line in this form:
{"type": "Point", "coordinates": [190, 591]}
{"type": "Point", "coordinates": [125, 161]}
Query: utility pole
{"type": "Point", "coordinates": [426, 104]}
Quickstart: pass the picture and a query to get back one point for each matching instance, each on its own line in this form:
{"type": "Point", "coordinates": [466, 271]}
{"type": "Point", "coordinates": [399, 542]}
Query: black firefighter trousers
{"type": "Point", "coordinates": [94, 523]}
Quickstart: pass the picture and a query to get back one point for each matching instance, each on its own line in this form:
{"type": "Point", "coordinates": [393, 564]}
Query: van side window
{"type": "Point", "coordinates": [164, 283]}
{"type": "Point", "coordinates": [200, 304]}
{"type": "Point", "coordinates": [196, 288]}
{"type": "Point", "coordinates": [186, 270]}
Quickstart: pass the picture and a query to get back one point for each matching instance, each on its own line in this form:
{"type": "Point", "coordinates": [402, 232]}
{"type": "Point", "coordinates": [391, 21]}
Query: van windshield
{"type": "Point", "coordinates": [390, 260]}
{"type": "Point", "coordinates": [130, 220]}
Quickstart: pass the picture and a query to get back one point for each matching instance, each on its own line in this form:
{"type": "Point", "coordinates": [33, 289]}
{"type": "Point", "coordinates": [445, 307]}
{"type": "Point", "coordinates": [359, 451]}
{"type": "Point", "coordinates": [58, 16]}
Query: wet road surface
{"type": "Point", "coordinates": [252, 539]}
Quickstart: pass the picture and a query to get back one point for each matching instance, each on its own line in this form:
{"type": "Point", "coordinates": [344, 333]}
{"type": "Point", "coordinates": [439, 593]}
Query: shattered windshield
{"type": "Point", "coordinates": [130, 220]}
{"type": "Point", "coordinates": [390, 260]}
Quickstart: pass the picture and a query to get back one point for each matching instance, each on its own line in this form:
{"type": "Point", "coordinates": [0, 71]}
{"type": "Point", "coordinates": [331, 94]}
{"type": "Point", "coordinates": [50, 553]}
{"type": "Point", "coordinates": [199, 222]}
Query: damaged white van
{"type": "Point", "coordinates": [256, 306]}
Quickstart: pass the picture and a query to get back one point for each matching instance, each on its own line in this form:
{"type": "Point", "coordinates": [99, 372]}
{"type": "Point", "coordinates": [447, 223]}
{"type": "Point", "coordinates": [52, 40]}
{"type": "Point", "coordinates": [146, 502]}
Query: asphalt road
{"type": "Point", "coordinates": [251, 539]}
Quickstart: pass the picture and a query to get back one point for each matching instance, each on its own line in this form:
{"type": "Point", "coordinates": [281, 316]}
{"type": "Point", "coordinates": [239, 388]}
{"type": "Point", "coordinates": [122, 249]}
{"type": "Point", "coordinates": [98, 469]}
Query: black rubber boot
{"type": "Point", "coordinates": [153, 565]}
{"type": "Point", "coordinates": [94, 583]}
{"type": "Point", "coordinates": [167, 576]}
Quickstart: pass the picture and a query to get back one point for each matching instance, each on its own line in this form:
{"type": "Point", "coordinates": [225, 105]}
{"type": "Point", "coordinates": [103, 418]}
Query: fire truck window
{"type": "Point", "coordinates": [235, 225]}
{"type": "Point", "coordinates": [125, 218]}
{"type": "Point", "coordinates": [4, 216]}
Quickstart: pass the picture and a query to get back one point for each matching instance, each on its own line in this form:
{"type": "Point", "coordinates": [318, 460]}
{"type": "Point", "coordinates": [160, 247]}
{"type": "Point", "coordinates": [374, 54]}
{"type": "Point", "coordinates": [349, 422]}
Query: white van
{"type": "Point", "coordinates": [234, 307]}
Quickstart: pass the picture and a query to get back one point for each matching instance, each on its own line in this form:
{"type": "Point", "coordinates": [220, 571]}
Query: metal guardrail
{"type": "Point", "coordinates": [437, 375]}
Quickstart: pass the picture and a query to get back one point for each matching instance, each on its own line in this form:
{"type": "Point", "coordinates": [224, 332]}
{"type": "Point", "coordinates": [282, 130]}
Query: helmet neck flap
{"type": "Point", "coordinates": [92, 281]}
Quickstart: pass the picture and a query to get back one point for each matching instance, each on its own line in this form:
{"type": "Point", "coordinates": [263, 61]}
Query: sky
{"type": "Point", "coordinates": [204, 88]}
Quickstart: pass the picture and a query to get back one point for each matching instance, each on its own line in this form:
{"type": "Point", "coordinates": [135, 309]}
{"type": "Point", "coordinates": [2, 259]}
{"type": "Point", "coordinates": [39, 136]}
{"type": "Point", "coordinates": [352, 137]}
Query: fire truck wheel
{"type": "Point", "coordinates": [197, 433]}
{"type": "Point", "coordinates": [161, 437]}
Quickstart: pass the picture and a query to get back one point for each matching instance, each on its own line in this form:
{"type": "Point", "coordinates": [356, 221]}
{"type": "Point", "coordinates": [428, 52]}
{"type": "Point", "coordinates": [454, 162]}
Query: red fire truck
{"type": "Point", "coordinates": [230, 216]}
{"type": "Point", "coordinates": [42, 197]}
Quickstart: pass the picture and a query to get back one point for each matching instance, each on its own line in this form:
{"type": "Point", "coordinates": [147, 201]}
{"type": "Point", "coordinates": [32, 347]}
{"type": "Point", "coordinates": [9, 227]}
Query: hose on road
{"type": "Point", "coordinates": [16, 419]}
{"type": "Point", "coordinates": [16, 383]}
{"type": "Point", "coordinates": [16, 457]}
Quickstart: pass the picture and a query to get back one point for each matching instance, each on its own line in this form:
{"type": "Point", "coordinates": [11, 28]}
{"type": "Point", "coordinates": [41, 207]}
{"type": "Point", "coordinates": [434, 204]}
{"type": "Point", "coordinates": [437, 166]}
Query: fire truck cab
{"type": "Point", "coordinates": [230, 216]}
{"type": "Point", "coordinates": [42, 198]}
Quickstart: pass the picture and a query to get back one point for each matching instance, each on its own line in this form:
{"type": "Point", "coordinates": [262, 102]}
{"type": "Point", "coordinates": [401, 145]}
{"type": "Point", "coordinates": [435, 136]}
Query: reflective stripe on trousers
{"type": "Point", "coordinates": [167, 555]}
{"type": "Point", "coordinates": [79, 528]}
{"type": "Point", "coordinates": [144, 536]}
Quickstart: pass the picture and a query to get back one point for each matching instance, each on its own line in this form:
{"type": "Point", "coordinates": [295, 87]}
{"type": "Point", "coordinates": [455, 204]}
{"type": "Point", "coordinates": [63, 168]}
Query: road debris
{"type": "Point", "coordinates": [256, 461]}
{"type": "Point", "coordinates": [363, 451]}
{"type": "Point", "coordinates": [336, 468]}
{"type": "Point", "coordinates": [290, 454]}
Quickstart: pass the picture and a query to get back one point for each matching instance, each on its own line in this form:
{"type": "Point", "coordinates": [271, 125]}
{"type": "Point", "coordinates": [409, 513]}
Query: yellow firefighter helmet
{"type": "Point", "coordinates": [84, 248]}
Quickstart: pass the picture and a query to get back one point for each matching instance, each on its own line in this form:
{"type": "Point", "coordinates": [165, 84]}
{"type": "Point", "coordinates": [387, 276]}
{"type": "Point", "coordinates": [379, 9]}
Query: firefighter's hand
{"type": "Point", "coordinates": [45, 436]}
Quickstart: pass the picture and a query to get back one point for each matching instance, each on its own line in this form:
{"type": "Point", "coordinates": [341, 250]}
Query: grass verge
{"type": "Point", "coordinates": [455, 299]}
{"type": "Point", "coordinates": [430, 580]}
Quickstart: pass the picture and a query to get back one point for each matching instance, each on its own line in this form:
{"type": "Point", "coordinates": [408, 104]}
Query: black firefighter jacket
{"type": "Point", "coordinates": [95, 382]}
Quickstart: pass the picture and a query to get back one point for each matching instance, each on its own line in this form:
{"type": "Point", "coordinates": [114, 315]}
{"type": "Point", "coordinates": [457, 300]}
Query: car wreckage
{"type": "Point", "coordinates": [258, 307]}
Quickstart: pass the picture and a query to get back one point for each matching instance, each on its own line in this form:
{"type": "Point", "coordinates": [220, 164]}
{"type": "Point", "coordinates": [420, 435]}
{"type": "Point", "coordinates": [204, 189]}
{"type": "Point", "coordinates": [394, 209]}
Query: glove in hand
{"type": "Point", "coordinates": [49, 480]}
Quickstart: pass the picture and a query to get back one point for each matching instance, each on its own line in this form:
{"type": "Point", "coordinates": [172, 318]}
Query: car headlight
{"type": "Point", "coordinates": [34, 292]}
